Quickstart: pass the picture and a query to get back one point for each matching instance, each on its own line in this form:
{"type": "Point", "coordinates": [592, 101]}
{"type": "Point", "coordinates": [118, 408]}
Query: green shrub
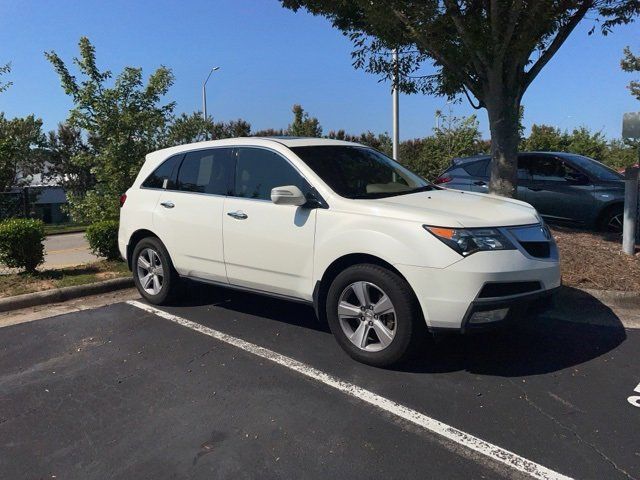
{"type": "Point", "coordinates": [21, 243]}
{"type": "Point", "coordinates": [103, 239]}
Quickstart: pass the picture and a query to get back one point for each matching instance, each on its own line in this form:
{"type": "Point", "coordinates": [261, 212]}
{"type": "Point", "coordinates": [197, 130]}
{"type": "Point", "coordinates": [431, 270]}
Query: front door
{"type": "Point", "coordinates": [267, 246]}
{"type": "Point", "coordinates": [558, 191]}
{"type": "Point", "coordinates": [188, 216]}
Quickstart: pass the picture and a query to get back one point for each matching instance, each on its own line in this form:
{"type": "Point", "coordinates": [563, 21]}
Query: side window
{"type": "Point", "coordinates": [259, 170]}
{"type": "Point", "coordinates": [166, 171]}
{"type": "Point", "coordinates": [549, 169]}
{"type": "Point", "coordinates": [524, 167]}
{"type": "Point", "coordinates": [477, 169]}
{"type": "Point", "coordinates": [207, 171]}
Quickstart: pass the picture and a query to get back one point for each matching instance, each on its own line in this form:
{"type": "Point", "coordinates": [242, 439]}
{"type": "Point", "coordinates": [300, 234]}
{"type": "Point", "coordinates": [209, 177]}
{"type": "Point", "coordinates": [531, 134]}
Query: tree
{"type": "Point", "coordinates": [381, 141]}
{"type": "Point", "coordinates": [545, 138]}
{"type": "Point", "coordinates": [488, 49]}
{"type": "Point", "coordinates": [189, 128]}
{"type": "Point", "coordinates": [630, 63]}
{"type": "Point", "coordinates": [194, 128]}
{"type": "Point", "coordinates": [21, 157]}
{"type": "Point", "coordinates": [303, 125]}
{"type": "Point", "coordinates": [453, 137]}
{"type": "Point", "coordinates": [70, 161]}
{"type": "Point", "coordinates": [5, 69]}
{"type": "Point", "coordinates": [123, 120]}
{"type": "Point", "coordinates": [583, 142]}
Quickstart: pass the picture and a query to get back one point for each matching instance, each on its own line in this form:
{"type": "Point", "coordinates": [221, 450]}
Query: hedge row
{"type": "Point", "coordinates": [21, 242]}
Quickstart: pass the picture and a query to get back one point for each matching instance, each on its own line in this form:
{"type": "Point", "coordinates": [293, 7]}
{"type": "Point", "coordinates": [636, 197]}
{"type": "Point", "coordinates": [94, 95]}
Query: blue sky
{"type": "Point", "coordinates": [271, 58]}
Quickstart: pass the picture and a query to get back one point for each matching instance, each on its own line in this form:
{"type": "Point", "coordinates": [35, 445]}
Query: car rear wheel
{"type": "Point", "coordinates": [374, 315]}
{"type": "Point", "coordinates": [612, 219]}
{"type": "Point", "coordinates": [153, 273]}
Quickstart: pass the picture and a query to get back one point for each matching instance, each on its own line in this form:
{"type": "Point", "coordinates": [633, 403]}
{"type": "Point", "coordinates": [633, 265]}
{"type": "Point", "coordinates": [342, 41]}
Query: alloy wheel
{"type": "Point", "coordinates": [615, 223]}
{"type": "Point", "coordinates": [150, 271]}
{"type": "Point", "coordinates": [367, 316]}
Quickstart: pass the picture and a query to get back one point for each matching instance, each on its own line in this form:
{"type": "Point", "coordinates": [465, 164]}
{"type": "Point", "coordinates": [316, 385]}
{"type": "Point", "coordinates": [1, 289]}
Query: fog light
{"type": "Point", "coordinates": [489, 316]}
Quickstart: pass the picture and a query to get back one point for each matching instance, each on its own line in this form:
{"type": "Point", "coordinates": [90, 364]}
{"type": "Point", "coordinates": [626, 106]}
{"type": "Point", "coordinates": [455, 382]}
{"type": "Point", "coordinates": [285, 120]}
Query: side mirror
{"type": "Point", "coordinates": [288, 195]}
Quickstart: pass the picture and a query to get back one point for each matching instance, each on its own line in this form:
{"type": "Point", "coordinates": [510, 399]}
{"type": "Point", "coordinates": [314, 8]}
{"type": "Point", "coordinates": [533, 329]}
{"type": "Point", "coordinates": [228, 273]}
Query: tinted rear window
{"type": "Point", "coordinates": [477, 169]}
{"type": "Point", "coordinates": [164, 172]}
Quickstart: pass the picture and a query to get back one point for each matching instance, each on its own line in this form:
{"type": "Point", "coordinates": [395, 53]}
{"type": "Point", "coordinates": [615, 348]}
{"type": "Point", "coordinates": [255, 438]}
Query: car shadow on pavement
{"type": "Point", "coordinates": [293, 313]}
{"type": "Point", "coordinates": [576, 329]}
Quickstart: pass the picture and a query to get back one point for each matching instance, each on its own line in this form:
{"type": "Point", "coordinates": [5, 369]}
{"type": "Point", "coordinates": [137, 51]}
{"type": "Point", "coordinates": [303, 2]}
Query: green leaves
{"type": "Point", "coordinates": [630, 63]}
{"type": "Point", "coordinates": [123, 119]}
{"type": "Point", "coordinates": [21, 243]}
{"type": "Point", "coordinates": [4, 69]}
{"type": "Point", "coordinates": [21, 141]}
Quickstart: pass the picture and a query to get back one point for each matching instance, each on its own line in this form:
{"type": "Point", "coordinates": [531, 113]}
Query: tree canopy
{"type": "Point", "coordinates": [21, 156]}
{"type": "Point", "coordinates": [4, 69]}
{"type": "Point", "coordinates": [631, 63]}
{"type": "Point", "coordinates": [123, 118]}
{"type": "Point", "coordinates": [488, 50]}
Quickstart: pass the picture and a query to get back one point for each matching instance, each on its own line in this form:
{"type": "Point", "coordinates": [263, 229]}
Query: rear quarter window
{"type": "Point", "coordinates": [477, 169]}
{"type": "Point", "coordinates": [166, 171]}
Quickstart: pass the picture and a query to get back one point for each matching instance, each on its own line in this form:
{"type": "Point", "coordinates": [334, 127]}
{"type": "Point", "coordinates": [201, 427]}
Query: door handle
{"type": "Point", "coordinates": [480, 183]}
{"type": "Point", "coordinates": [238, 215]}
{"type": "Point", "coordinates": [535, 189]}
{"type": "Point", "coordinates": [167, 204]}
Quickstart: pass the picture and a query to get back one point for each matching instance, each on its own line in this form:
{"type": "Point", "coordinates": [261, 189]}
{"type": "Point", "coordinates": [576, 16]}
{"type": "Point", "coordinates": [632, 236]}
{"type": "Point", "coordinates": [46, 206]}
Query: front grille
{"type": "Point", "coordinates": [535, 239]}
{"type": "Point", "coordinates": [537, 249]}
{"type": "Point", "coordinates": [499, 289]}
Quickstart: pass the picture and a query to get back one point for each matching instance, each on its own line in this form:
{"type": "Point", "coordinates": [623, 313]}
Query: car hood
{"type": "Point", "coordinates": [453, 208]}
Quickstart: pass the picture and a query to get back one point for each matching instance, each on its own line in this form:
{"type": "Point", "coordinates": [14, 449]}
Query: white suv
{"type": "Point", "coordinates": [379, 252]}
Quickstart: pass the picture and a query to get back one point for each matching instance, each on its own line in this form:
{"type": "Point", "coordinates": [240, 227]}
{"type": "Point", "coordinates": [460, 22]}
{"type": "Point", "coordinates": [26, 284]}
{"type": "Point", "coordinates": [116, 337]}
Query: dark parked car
{"type": "Point", "coordinates": [563, 187]}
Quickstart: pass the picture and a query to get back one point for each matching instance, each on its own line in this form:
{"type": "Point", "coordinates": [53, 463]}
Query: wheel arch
{"type": "Point", "coordinates": [604, 211]}
{"type": "Point", "coordinates": [133, 241]}
{"type": "Point", "coordinates": [321, 287]}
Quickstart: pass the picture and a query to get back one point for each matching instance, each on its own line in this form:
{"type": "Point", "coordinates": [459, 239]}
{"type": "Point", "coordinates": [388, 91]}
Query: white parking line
{"type": "Point", "coordinates": [467, 440]}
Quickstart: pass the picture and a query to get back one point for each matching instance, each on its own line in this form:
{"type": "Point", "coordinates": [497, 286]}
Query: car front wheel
{"type": "Point", "coordinates": [374, 315]}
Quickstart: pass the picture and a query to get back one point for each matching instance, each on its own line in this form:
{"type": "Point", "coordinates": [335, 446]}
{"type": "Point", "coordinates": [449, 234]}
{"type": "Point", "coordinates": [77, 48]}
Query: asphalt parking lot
{"type": "Point", "coordinates": [120, 392]}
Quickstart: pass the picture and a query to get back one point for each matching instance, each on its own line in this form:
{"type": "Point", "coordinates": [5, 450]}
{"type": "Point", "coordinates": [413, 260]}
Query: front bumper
{"type": "Point", "coordinates": [514, 305]}
{"type": "Point", "coordinates": [450, 296]}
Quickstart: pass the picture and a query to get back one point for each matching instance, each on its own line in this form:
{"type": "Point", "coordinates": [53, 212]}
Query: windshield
{"type": "Point", "coordinates": [360, 172]}
{"type": "Point", "coordinates": [595, 168]}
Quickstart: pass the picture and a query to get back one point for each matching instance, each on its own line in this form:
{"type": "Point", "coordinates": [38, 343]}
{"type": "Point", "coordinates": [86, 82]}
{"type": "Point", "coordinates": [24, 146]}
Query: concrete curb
{"type": "Point", "coordinates": [615, 298]}
{"type": "Point", "coordinates": [56, 295]}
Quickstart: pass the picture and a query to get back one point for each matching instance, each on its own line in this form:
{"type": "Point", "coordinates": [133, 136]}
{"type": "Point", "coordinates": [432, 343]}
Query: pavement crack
{"type": "Point", "coordinates": [202, 355]}
{"type": "Point", "coordinates": [600, 453]}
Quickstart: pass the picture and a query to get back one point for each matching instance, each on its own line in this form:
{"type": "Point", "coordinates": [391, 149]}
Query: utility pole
{"type": "Point", "coordinates": [630, 130]}
{"type": "Point", "coordinates": [396, 106]}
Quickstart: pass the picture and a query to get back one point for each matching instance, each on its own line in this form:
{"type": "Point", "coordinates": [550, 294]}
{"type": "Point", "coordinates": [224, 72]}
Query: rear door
{"type": "Point", "coordinates": [478, 175]}
{"type": "Point", "coordinates": [558, 190]}
{"type": "Point", "coordinates": [188, 216]}
{"type": "Point", "coordinates": [267, 246]}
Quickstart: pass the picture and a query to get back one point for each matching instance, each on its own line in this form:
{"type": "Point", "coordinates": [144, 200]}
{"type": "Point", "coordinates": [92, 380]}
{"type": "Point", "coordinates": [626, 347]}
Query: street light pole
{"type": "Point", "coordinates": [204, 93]}
{"type": "Point", "coordinates": [396, 107]}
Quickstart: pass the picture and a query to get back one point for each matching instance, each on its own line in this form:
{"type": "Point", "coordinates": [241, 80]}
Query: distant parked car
{"type": "Point", "coordinates": [563, 187]}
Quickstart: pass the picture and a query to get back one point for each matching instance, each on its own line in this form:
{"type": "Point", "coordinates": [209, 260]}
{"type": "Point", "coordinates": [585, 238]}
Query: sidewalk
{"type": "Point", "coordinates": [66, 250]}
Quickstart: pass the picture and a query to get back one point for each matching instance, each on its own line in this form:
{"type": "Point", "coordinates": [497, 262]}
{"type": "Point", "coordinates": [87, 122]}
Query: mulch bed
{"type": "Point", "coordinates": [595, 260]}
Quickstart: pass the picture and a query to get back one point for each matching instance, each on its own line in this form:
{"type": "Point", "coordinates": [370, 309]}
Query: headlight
{"type": "Point", "coordinates": [466, 241]}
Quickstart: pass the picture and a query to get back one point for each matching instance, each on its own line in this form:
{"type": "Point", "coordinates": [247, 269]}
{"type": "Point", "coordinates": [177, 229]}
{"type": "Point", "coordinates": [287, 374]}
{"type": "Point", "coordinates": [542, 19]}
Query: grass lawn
{"type": "Point", "coordinates": [18, 283]}
{"type": "Point", "coordinates": [595, 260]}
{"type": "Point", "coordinates": [64, 228]}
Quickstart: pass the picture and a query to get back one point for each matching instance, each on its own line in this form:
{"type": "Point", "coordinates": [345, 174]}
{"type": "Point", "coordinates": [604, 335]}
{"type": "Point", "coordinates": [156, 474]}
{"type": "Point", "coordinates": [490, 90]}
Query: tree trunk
{"type": "Point", "coordinates": [504, 118]}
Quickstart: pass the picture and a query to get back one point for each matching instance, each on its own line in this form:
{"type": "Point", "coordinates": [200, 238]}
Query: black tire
{"type": "Point", "coordinates": [170, 278]}
{"type": "Point", "coordinates": [408, 323]}
{"type": "Point", "coordinates": [611, 219]}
